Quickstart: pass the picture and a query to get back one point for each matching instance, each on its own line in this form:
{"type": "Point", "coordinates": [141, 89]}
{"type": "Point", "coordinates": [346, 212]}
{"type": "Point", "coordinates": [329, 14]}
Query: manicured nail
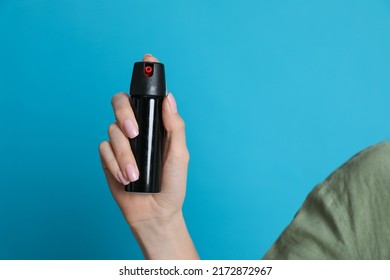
{"type": "Point", "coordinates": [122, 178]}
{"type": "Point", "coordinates": [172, 103]}
{"type": "Point", "coordinates": [130, 129]}
{"type": "Point", "coordinates": [132, 172]}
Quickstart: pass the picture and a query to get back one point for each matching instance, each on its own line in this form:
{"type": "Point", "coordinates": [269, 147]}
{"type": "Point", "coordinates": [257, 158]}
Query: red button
{"type": "Point", "coordinates": [148, 71]}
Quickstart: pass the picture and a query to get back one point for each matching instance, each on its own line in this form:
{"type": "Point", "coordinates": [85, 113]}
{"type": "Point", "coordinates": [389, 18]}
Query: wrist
{"type": "Point", "coordinates": [163, 223]}
{"type": "Point", "coordinates": [165, 238]}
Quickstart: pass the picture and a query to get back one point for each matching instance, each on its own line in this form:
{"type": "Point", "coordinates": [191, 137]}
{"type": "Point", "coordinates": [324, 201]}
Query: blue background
{"type": "Point", "coordinates": [275, 95]}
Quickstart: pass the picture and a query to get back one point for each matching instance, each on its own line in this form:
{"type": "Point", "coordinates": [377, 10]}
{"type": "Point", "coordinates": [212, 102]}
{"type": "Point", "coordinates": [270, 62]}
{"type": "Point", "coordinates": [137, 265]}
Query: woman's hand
{"type": "Point", "coordinates": [155, 219]}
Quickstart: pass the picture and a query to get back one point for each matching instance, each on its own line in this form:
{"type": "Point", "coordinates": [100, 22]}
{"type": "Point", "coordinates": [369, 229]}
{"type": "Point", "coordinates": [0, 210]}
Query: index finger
{"type": "Point", "coordinates": [124, 114]}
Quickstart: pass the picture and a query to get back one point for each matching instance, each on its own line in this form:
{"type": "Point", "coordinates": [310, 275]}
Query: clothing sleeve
{"type": "Point", "coordinates": [346, 216]}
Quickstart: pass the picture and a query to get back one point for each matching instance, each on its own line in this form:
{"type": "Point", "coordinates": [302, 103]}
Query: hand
{"type": "Point", "coordinates": [160, 212]}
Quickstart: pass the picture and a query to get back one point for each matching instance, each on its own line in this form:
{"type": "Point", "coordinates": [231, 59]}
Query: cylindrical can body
{"type": "Point", "coordinates": [148, 146]}
{"type": "Point", "coordinates": [147, 92]}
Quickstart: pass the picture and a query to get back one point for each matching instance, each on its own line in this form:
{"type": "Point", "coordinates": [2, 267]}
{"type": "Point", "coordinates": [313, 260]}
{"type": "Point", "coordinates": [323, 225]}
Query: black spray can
{"type": "Point", "coordinates": [147, 92]}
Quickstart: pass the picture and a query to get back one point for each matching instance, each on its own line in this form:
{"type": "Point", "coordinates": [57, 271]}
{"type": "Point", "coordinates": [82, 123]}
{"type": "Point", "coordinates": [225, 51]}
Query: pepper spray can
{"type": "Point", "coordinates": [147, 92]}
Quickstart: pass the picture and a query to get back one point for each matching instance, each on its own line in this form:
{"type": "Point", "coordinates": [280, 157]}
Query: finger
{"type": "Point", "coordinates": [175, 127]}
{"type": "Point", "coordinates": [149, 58]}
{"type": "Point", "coordinates": [115, 187]}
{"type": "Point", "coordinates": [110, 164]}
{"type": "Point", "coordinates": [123, 154]}
{"type": "Point", "coordinates": [124, 114]}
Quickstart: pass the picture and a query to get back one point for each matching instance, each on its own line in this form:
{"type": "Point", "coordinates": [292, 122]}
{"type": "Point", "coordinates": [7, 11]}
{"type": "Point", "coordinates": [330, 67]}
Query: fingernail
{"type": "Point", "coordinates": [122, 178]}
{"type": "Point", "coordinates": [172, 103]}
{"type": "Point", "coordinates": [132, 172]}
{"type": "Point", "coordinates": [130, 129]}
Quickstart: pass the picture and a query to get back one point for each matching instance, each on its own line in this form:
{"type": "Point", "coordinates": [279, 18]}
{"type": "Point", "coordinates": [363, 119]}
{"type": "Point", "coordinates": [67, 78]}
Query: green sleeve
{"type": "Point", "coordinates": [345, 217]}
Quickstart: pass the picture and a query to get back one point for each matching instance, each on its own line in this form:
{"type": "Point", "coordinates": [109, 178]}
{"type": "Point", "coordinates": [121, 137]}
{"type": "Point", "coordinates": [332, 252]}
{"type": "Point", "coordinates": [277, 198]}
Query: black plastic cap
{"type": "Point", "coordinates": [148, 79]}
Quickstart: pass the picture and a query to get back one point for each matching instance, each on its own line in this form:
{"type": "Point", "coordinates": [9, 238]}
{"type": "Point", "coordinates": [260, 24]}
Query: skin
{"type": "Point", "coordinates": [156, 220]}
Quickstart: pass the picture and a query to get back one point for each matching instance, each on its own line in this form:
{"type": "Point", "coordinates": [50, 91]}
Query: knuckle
{"type": "Point", "coordinates": [114, 98]}
{"type": "Point", "coordinates": [186, 156]}
{"type": "Point", "coordinates": [180, 124]}
{"type": "Point", "coordinates": [111, 163]}
{"type": "Point", "coordinates": [121, 113]}
{"type": "Point", "coordinates": [117, 97]}
{"type": "Point", "coordinates": [112, 128]}
{"type": "Point", "coordinates": [182, 156]}
{"type": "Point", "coordinates": [103, 146]}
{"type": "Point", "coordinates": [121, 154]}
{"type": "Point", "coordinates": [124, 155]}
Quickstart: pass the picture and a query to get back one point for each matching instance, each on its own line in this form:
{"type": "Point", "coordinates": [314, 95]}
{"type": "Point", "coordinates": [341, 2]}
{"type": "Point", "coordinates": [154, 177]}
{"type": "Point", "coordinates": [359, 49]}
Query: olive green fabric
{"type": "Point", "coordinates": [345, 217]}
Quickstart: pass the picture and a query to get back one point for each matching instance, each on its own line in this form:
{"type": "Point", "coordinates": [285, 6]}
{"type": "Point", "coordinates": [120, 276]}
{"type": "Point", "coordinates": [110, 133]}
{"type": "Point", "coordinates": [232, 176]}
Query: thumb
{"type": "Point", "coordinates": [176, 146]}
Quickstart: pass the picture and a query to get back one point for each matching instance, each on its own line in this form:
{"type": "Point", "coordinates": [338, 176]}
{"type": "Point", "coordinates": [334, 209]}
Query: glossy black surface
{"type": "Point", "coordinates": [143, 84]}
{"type": "Point", "coordinates": [147, 93]}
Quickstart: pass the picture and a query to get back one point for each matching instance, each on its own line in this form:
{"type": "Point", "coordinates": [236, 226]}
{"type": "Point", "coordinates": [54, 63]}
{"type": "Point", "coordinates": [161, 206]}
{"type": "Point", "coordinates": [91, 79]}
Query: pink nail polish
{"type": "Point", "coordinates": [132, 172]}
{"type": "Point", "coordinates": [130, 129]}
{"type": "Point", "coordinates": [172, 103]}
{"type": "Point", "coordinates": [123, 180]}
